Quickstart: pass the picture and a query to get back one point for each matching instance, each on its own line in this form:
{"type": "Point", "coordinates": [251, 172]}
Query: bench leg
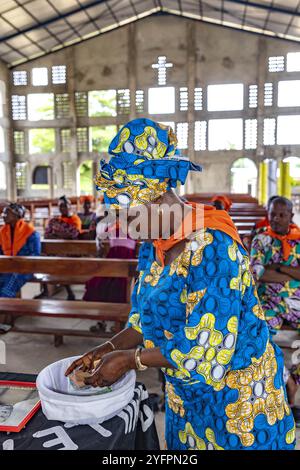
{"type": "Point", "coordinates": [58, 340]}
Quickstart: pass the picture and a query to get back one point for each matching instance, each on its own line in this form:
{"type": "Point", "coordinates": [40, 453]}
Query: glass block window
{"type": "Point", "coordinates": [82, 139]}
{"type": "Point", "coordinates": [21, 175]}
{"type": "Point", "coordinates": [65, 139]}
{"type": "Point", "coordinates": [81, 103]}
{"type": "Point", "coordinates": [293, 62]}
{"type": "Point", "coordinates": [161, 68]}
{"type": "Point", "coordinates": [19, 142]}
{"type": "Point", "coordinates": [183, 99]}
{"type": "Point", "coordinates": [19, 78]}
{"type": "Point", "coordinates": [250, 134]}
{"type": "Point", "coordinates": [139, 101]}
{"type": "Point", "coordinates": [39, 76]}
{"type": "Point", "coordinates": [59, 74]}
{"type": "Point", "coordinates": [198, 99]}
{"type": "Point", "coordinates": [253, 96]}
{"type": "Point", "coordinates": [123, 101]}
{"type": "Point", "coordinates": [269, 131]}
{"type": "Point", "coordinates": [62, 106]}
{"type": "Point", "coordinates": [276, 63]}
{"type": "Point", "coordinates": [102, 103]}
{"type": "Point", "coordinates": [19, 111]}
{"type": "Point", "coordinates": [200, 135]}
{"type": "Point", "coordinates": [68, 175]}
{"type": "Point", "coordinates": [268, 94]}
{"type": "Point", "coordinates": [182, 135]}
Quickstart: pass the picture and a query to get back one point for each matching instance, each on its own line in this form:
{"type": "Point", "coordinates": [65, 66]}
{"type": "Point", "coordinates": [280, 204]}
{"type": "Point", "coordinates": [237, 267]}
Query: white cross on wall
{"type": "Point", "coordinates": [161, 67]}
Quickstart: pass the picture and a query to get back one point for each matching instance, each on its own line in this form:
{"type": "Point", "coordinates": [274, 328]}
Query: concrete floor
{"type": "Point", "coordinates": [30, 353]}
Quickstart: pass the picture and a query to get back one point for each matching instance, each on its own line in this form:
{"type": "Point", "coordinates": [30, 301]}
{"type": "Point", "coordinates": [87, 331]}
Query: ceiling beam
{"type": "Point", "coordinates": [273, 8]}
{"type": "Point", "coordinates": [62, 16]}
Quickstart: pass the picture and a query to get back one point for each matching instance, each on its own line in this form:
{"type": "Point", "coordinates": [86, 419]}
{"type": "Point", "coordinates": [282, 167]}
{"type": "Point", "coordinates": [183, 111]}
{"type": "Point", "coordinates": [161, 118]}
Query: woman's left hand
{"type": "Point", "coordinates": [111, 368]}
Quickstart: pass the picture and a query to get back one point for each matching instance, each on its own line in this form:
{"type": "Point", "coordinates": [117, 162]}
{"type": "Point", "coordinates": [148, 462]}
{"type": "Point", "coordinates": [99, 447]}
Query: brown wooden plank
{"type": "Point", "coordinates": [65, 309]}
{"type": "Point", "coordinates": [69, 247]}
{"type": "Point", "coordinates": [60, 332]}
{"type": "Point", "coordinates": [64, 266]}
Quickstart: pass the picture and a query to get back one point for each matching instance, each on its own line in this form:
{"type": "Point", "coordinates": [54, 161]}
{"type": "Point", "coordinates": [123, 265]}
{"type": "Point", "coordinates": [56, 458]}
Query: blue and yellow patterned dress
{"type": "Point", "coordinates": [226, 389]}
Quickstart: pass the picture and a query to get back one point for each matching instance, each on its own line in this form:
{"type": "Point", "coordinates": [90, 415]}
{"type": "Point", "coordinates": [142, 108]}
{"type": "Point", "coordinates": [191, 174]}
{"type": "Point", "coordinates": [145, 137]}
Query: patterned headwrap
{"type": "Point", "coordinates": [144, 164]}
{"type": "Point", "coordinates": [17, 209]}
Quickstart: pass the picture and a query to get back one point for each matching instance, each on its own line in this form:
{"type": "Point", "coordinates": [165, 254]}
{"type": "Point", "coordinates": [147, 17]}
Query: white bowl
{"type": "Point", "coordinates": [58, 404]}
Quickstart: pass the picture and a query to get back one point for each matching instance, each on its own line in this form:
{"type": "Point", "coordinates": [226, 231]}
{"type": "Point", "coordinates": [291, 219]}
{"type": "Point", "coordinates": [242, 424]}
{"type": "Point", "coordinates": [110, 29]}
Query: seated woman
{"type": "Point", "coordinates": [110, 289]}
{"type": "Point", "coordinates": [17, 238]}
{"type": "Point", "coordinates": [221, 202]}
{"type": "Point", "coordinates": [65, 227]}
{"type": "Point", "coordinates": [88, 218]}
{"type": "Point", "coordinates": [275, 256]}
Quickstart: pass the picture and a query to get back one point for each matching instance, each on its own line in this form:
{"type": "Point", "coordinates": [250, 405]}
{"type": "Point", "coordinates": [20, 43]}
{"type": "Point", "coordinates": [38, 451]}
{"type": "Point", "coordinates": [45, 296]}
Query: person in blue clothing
{"type": "Point", "coordinates": [17, 238]}
{"type": "Point", "coordinates": [195, 311]}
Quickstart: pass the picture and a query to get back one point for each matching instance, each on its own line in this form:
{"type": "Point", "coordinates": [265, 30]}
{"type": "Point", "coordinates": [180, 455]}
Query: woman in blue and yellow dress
{"type": "Point", "coordinates": [195, 311]}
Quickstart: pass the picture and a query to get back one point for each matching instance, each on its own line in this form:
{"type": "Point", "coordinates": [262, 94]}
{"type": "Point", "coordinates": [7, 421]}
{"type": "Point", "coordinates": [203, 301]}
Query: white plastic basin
{"type": "Point", "coordinates": [58, 404]}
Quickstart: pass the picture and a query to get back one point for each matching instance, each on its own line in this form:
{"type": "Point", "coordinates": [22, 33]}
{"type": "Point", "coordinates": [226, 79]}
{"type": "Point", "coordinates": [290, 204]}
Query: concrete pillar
{"type": "Point", "coordinates": [260, 80]}
{"type": "Point", "coordinates": [131, 68]}
{"type": "Point", "coordinates": [263, 182]}
{"type": "Point", "coordinates": [70, 59]}
{"type": "Point", "coordinates": [50, 182]}
{"type": "Point", "coordinates": [11, 182]}
{"type": "Point", "coordinates": [284, 180]}
{"type": "Point", "coordinates": [272, 178]}
{"type": "Point", "coordinates": [191, 83]}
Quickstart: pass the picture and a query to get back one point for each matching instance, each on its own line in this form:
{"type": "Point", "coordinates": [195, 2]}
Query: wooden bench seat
{"type": "Point", "coordinates": [66, 271]}
{"type": "Point", "coordinates": [66, 309]}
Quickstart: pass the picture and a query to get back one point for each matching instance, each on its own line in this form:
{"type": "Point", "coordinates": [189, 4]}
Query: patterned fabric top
{"type": "Point", "coordinates": [266, 250]}
{"type": "Point", "coordinates": [226, 389]}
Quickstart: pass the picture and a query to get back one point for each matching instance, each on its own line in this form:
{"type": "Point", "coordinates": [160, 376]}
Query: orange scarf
{"type": "Point", "coordinates": [22, 232]}
{"type": "Point", "coordinates": [262, 223]}
{"type": "Point", "coordinates": [72, 220]}
{"type": "Point", "coordinates": [294, 234]}
{"type": "Point", "coordinates": [227, 203]}
{"type": "Point", "coordinates": [213, 219]}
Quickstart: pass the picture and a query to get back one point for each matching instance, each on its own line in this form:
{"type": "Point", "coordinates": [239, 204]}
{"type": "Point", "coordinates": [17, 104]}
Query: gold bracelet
{"type": "Point", "coordinates": [138, 362]}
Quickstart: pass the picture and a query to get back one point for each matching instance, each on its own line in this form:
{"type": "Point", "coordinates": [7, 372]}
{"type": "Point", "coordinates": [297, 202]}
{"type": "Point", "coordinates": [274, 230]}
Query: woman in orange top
{"type": "Point", "coordinates": [17, 238]}
{"type": "Point", "coordinates": [65, 227]}
{"type": "Point", "coordinates": [221, 202]}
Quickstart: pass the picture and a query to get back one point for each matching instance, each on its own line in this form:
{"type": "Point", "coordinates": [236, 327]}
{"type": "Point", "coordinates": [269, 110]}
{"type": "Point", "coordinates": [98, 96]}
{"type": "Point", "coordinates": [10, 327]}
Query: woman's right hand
{"type": "Point", "coordinates": [87, 361]}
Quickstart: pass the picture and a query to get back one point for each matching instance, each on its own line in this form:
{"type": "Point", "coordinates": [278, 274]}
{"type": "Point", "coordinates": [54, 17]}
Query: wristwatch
{"type": "Point", "coordinates": [138, 361]}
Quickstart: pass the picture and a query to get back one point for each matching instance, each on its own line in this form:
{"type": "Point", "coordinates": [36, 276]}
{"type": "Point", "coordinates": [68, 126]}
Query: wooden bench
{"type": "Point", "coordinates": [63, 268]}
{"type": "Point", "coordinates": [69, 248]}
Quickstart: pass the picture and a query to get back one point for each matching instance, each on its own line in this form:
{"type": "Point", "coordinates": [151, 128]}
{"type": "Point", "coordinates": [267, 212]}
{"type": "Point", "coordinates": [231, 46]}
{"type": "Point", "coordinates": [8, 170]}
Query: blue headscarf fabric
{"type": "Point", "coordinates": [144, 164]}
